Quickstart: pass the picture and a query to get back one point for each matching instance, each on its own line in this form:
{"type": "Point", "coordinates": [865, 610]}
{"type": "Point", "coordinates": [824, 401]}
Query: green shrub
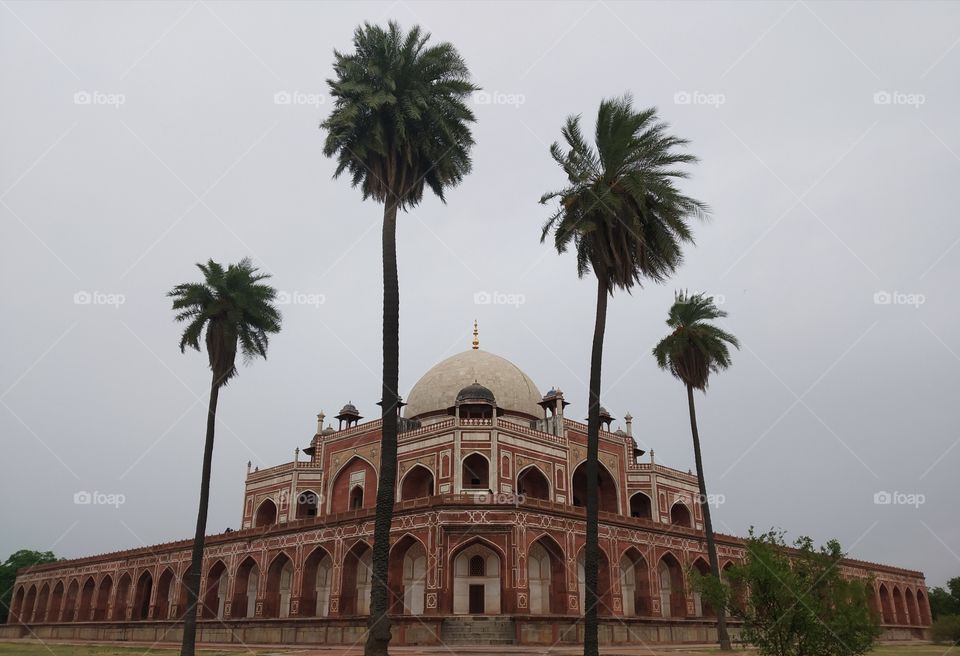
{"type": "Point", "coordinates": [946, 628]}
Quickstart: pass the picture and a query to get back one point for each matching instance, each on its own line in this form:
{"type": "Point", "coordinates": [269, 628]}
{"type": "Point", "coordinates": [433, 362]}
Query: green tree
{"type": "Point", "coordinates": [796, 601]}
{"type": "Point", "coordinates": [8, 574]}
{"type": "Point", "coordinates": [691, 352]}
{"type": "Point", "coordinates": [945, 601]}
{"type": "Point", "coordinates": [399, 123]}
{"type": "Point", "coordinates": [623, 215]}
{"type": "Point", "coordinates": [236, 310]}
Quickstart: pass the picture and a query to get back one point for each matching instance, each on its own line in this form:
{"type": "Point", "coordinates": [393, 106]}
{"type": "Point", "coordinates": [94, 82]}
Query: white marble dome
{"type": "Point", "coordinates": [437, 389]}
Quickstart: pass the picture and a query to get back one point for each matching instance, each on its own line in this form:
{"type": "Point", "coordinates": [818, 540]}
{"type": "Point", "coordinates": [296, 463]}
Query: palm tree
{"type": "Point", "coordinates": [399, 123]}
{"type": "Point", "coordinates": [236, 310]}
{"type": "Point", "coordinates": [627, 221]}
{"type": "Point", "coordinates": [693, 351]}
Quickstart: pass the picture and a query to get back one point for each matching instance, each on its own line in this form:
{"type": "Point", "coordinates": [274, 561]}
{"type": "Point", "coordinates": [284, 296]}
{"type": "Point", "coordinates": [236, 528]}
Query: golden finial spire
{"type": "Point", "coordinates": [476, 338]}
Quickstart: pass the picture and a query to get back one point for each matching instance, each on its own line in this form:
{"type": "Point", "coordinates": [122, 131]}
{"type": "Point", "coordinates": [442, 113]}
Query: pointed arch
{"type": "Point", "coordinates": [101, 608]}
{"type": "Point", "coordinates": [16, 607]}
{"type": "Point", "coordinates": [475, 471]}
{"type": "Point", "coordinates": [141, 596]}
{"type": "Point", "coordinates": [635, 583]}
{"type": "Point", "coordinates": [407, 574]}
{"type": "Point", "coordinates": [900, 613]}
{"type": "Point", "coordinates": [308, 504]}
{"type": "Point", "coordinates": [533, 483]}
{"type": "Point", "coordinates": [166, 591]}
{"type": "Point", "coordinates": [29, 604]}
{"type": "Point", "coordinates": [316, 583]}
{"type": "Point", "coordinates": [121, 599]}
{"type": "Point", "coordinates": [355, 580]}
{"type": "Point", "coordinates": [886, 604]}
{"type": "Point", "coordinates": [357, 473]}
{"type": "Point", "coordinates": [85, 608]}
{"type": "Point", "coordinates": [609, 491]}
{"type": "Point", "coordinates": [673, 602]}
{"type": "Point", "coordinates": [604, 588]}
{"type": "Point", "coordinates": [70, 603]}
{"type": "Point", "coordinates": [923, 607]}
{"type": "Point", "coordinates": [55, 606]}
{"type": "Point", "coordinates": [701, 607]}
{"type": "Point", "coordinates": [245, 589]}
{"type": "Point", "coordinates": [43, 598]}
{"type": "Point", "coordinates": [266, 514]}
{"type": "Point", "coordinates": [641, 505]}
{"type": "Point", "coordinates": [417, 483]}
{"type": "Point", "coordinates": [546, 576]}
{"type": "Point", "coordinates": [911, 603]}
{"type": "Point", "coordinates": [477, 573]}
{"type": "Point", "coordinates": [680, 514]}
{"type": "Point", "coordinates": [213, 597]}
{"type": "Point", "coordinates": [276, 602]}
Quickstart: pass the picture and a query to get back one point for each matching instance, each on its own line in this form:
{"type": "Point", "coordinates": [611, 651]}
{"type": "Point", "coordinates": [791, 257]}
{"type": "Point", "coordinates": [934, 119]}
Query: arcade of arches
{"type": "Point", "coordinates": [637, 583]}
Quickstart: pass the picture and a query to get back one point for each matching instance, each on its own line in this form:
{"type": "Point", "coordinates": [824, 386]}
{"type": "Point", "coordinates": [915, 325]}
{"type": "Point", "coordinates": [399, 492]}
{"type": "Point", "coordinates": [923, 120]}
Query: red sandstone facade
{"type": "Point", "coordinates": [488, 521]}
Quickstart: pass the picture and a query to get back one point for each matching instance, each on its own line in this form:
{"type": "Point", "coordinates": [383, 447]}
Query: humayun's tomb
{"type": "Point", "coordinates": [487, 541]}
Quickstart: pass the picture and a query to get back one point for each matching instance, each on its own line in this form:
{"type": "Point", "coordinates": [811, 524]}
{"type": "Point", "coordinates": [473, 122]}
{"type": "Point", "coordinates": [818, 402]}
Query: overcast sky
{"type": "Point", "coordinates": [141, 138]}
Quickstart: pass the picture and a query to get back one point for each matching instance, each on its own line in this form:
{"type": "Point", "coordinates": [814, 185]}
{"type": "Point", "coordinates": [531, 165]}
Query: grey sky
{"type": "Point", "coordinates": [824, 193]}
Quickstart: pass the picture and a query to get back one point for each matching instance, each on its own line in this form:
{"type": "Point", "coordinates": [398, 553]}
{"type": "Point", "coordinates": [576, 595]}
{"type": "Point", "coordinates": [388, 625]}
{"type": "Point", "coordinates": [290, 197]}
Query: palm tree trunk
{"type": "Point", "coordinates": [591, 646]}
{"type": "Point", "coordinates": [378, 636]}
{"type": "Point", "coordinates": [724, 638]}
{"type": "Point", "coordinates": [196, 559]}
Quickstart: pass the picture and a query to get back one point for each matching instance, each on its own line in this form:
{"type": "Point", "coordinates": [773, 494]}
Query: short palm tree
{"type": "Point", "coordinates": [230, 310]}
{"type": "Point", "coordinates": [400, 122]}
{"type": "Point", "coordinates": [624, 216]}
{"type": "Point", "coordinates": [694, 350]}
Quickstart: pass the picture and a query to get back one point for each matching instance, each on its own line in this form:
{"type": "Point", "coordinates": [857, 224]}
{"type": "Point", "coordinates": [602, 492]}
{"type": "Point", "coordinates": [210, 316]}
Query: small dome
{"type": "Point", "coordinates": [349, 409]}
{"type": "Point", "coordinates": [329, 430]}
{"type": "Point", "coordinates": [475, 392]}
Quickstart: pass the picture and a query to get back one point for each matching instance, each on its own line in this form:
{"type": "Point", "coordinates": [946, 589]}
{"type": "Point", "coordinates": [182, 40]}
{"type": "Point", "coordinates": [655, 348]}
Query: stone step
{"type": "Point", "coordinates": [478, 630]}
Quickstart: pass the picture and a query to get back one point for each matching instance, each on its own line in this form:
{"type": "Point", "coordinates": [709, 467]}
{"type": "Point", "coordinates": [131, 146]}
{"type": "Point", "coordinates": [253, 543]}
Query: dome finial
{"type": "Point", "coordinates": [476, 337]}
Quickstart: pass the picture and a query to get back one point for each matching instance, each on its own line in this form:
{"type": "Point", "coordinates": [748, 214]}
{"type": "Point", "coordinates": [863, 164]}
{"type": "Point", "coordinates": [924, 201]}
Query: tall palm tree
{"type": "Point", "coordinates": [400, 122]}
{"type": "Point", "coordinates": [624, 216]}
{"type": "Point", "coordinates": [694, 350]}
{"type": "Point", "coordinates": [236, 310]}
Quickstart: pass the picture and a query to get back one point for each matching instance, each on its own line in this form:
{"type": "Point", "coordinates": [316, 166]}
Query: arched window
{"type": "Point", "coordinates": [308, 502]}
{"type": "Point", "coordinates": [634, 584]}
{"type": "Point", "coordinates": [356, 498]}
{"type": "Point", "coordinates": [102, 601]}
{"type": "Point", "coordinates": [417, 483]}
{"type": "Point", "coordinates": [478, 566]}
{"type": "Point", "coordinates": [640, 506]}
{"type": "Point", "coordinates": [532, 483]}
{"type": "Point", "coordinates": [355, 582]}
{"type": "Point", "coordinates": [476, 472]}
{"type": "Point", "coordinates": [215, 596]}
{"type": "Point", "coordinates": [122, 601]}
{"type": "Point", "coordinates": [607, 489]}
{"type": "Point", "coordinates": [680, 515]}
{"type": "Point", "coordinates": [245, 589]}
{"type": "Point", "coordinates": [141, 597]}
{"type": "Point", "coordinates": [279, 586]}
{"type": "Point", "coordinates": [266, 514]}
{"type": "Point", "coordinates": [86, 600]}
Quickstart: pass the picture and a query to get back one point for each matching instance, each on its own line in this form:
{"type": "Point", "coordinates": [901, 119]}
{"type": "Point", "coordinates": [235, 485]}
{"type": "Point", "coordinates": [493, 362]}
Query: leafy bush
{"type": "Point", "coordinates": [946, 628]}
{"type": "Point", "coordinates": [795, 601]}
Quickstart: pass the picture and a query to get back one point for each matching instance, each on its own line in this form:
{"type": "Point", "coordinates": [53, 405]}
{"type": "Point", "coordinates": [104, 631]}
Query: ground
{"type": "Point", "coordinates": [33, 648]}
